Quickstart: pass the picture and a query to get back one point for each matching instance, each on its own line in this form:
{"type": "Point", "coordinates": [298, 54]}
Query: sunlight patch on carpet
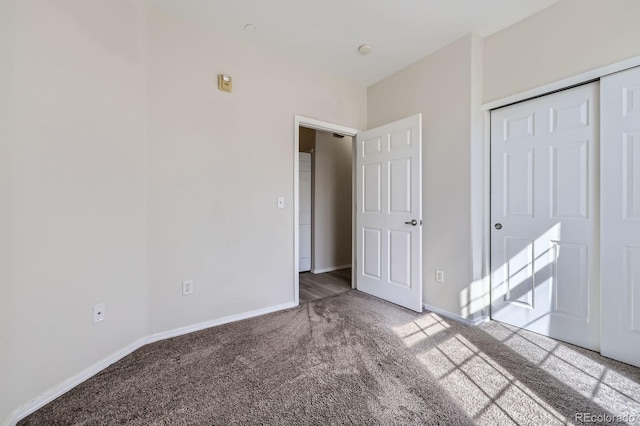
{"type": "Point", "coordinates": [481, 386]}
{"type": "Point", "coordinates": [606, 387]}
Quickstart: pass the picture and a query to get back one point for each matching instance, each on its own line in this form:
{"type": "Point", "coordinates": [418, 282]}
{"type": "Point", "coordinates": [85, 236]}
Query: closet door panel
{"type": "Point", "coordinates": [545, 213]}
{"type": "Point", "coordinates": [620, 213]}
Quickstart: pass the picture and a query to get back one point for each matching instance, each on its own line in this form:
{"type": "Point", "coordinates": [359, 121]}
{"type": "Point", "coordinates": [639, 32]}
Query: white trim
{"type": "Point", "coordinates": [220, 321]}
{"type": "Point", "coordinates": [324, 126]}
{"type": "Point", "coordinates": [486, 206]}
{"type": "Point", "coordinates": [311, 123]}
{"type": "Point", "coordinates": [480, 176]}
{"type": "Point", "coordinates": [458, 318]}
{"type": "Point", "coordinates": [331, 269]}
{"type": "Point", "coordinates": [74, 381]}
{"type": "Point", "coordinates": [354, 233]}
{"type": "Point", "coordinates": [296, 210]}
{"type": "Point", "coordinates": [538, 91]}
{"type": "Point", "coordinates": [564, 83]}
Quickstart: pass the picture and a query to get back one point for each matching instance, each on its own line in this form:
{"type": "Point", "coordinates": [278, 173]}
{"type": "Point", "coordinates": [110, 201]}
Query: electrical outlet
{"type": "Point", "coordinates": [439, 276]}
{"type": "Point", "coordinates": [187, 287]}
{"type": "Point", "coordinates": [98, 312]}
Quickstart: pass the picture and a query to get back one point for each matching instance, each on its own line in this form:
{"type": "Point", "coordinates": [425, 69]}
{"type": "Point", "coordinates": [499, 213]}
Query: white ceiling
{"type": "Point", "coordinates": [325, 34]}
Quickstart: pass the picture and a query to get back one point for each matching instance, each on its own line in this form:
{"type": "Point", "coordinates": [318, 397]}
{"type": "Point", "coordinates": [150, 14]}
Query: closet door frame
{"type": "Point", "coordinates": [481, 172]}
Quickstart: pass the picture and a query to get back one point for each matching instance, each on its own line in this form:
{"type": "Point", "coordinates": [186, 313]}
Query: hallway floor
{"type": "Point", "coordinates": [319, 286]}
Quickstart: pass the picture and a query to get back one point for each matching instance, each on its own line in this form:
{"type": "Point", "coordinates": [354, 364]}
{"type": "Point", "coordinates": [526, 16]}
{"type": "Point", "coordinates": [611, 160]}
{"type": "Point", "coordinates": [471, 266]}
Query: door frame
{"type": "Point", "coordinates": [481, 160]}
{"type": "Point", "coordinates": [324, 126]}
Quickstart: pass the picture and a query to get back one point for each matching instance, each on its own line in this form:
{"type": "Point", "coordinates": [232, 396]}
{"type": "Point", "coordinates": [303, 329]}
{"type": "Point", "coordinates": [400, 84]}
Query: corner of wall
{"type": "Point", "coordinates": [6, 55]}
{"type": "Point", "coordinates": [479, 174]}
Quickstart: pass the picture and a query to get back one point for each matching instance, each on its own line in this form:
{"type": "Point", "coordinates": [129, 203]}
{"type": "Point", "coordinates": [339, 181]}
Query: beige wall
{"type": "Point", "coordinates": [306, 139]}
{"type": "Point", "coordinates": [77, 188]}
{"type": "Point", "coordinates": [439, 87]}
{"type": "Point", "coordinates": [448, 87]}
{"type": "Point", "coordinates": [332, 170]}
{"type": "Point", "coordinates": [564, 40]}
{"type": "Point", "coordinates": [127, 171]}
{"type": "Point", "coordinates": [123, 171]}
{"type": "Point", "coordinates": [6, 370]}
{"type": "Point", "coordinates": [217, 163]}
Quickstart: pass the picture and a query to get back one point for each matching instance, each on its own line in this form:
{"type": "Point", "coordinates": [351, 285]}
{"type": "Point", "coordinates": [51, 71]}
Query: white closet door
{"type": "Point", "coordinates": [620, 212]}
{"type": "Point", "coordinates": [304, 234]}
{"type": "Point", "coordinates": [544, 212]}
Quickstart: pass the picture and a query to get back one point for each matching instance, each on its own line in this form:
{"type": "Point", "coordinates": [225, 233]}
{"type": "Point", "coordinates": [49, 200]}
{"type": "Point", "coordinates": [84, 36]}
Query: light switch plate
{"type": "Point", "coordinates": [187, 287]}
{"type": "Point", "coordinates": [281, 202]}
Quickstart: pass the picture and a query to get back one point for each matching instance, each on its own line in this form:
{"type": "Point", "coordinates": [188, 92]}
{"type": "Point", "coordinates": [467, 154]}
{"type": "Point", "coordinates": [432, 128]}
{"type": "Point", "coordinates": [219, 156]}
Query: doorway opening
{"type": "Point", "coordinates": [325, 179]}
{"type": "Point", "coordinates": [386, 241]}
{"type": "Point", "coordinates": [322, 255]}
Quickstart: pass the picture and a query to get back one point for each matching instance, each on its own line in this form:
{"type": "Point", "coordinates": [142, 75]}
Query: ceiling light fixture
{"type": "Point", "coordinates": [249, 28]}
{"type": "Point", "coordinates": [365, 49]}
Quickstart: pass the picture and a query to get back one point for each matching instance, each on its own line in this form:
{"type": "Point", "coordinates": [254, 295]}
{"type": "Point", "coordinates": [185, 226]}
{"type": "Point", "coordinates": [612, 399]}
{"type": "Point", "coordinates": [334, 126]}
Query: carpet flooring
{"type": "Point", "coordinates": [352, 359]}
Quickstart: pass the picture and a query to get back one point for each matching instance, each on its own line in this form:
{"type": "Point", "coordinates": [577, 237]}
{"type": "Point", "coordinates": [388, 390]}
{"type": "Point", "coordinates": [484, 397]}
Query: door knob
{"type": "Point", "coordinates": [413, 222]}
{"type": "Point", "coordinates": [498, 226]}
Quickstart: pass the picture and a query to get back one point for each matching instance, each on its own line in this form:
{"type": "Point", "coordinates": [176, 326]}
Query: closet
{"type": "Point", "coordinates": [620, 216]}
{"type": "Point", "coordinates": [565, 215]}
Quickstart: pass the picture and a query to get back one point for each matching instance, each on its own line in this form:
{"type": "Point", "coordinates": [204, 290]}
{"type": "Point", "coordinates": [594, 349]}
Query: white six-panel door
{"type": "Point", "coordinates": [389, 212]}
{"type": "Point", "coordinates": [304, 211]}
{"type": "Point", "coordinates": [544, 212]}
{"type": "Point", "coordinates": [620, 228]}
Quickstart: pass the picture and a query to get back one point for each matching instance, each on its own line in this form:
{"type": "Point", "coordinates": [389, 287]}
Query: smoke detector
{"type": "Point", "coordinates": [365, 49]}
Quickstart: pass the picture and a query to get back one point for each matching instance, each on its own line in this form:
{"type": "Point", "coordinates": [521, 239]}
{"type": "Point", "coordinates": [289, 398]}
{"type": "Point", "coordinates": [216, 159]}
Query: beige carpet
{"type": "Point", "coordinates": [352, 359]}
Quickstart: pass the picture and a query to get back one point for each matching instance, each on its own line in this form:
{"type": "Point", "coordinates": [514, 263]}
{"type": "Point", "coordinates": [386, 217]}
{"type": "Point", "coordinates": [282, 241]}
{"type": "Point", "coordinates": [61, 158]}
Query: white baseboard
{"type": "Point", "coordinates": [331, 269]}
{"type": "Point", "coordinates": [208, 324]}
{"type": "Point", "coordinates": [443, 313]}
{"type": "Point", "coordinates": [74, 381]}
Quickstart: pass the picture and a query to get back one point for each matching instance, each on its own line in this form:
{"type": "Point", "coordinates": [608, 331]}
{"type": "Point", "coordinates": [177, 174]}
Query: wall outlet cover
{"type": "Point", "coordinates": [98, 312]}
